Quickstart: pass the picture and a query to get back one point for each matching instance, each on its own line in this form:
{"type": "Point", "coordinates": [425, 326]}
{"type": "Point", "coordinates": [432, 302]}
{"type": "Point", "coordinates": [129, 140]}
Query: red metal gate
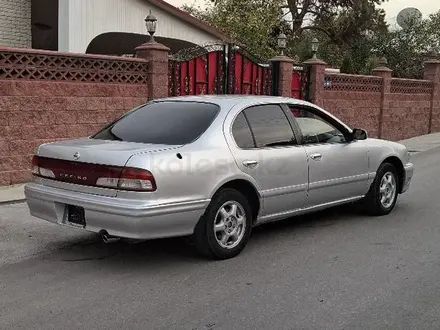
{"type": "Point", "coordinates": [300, 83]}
{"type": "Point", "coordinates": [218, 69]}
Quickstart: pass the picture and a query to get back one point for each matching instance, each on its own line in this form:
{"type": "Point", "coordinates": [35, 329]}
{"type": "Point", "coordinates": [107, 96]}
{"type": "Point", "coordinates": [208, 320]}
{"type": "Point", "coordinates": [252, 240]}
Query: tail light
{"type": "Point", "coordinates": [38, 170]}
{"type": "Point", "coordinates": [134, 179]}
{"type": "Point", "coordinates": [116, 177]}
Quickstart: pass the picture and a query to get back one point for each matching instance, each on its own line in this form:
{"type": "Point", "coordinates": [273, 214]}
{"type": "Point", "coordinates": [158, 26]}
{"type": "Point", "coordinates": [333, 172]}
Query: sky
{"type": "Point", "coordinates": [392, 7]}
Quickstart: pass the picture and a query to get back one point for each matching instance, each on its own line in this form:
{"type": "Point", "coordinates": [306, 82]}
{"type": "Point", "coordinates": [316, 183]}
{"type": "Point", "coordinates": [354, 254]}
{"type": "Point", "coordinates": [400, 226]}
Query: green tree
{"type": "Point", "coordinates": [344, 27]}
{"type": "Point", "coordinates": [408, 48]}
{"type": "Point", "coordinates": [254, 23]}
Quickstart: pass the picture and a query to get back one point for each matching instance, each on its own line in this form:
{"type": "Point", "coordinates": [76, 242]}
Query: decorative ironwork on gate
{"type": "Point", "coordinates": [218, 69]}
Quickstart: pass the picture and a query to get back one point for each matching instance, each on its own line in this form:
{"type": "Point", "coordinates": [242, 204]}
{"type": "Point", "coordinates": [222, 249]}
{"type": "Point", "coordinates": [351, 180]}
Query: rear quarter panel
{"type": "Point", "coordinates": [202, 168]}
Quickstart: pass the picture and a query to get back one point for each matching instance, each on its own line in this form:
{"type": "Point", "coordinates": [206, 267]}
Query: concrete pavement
{"type": "Point", "coordinates": [11, 194]}
{"type": "Point", "coordinates": [336, 269]}
{"type": "Point", "coordinates": [422, 143]}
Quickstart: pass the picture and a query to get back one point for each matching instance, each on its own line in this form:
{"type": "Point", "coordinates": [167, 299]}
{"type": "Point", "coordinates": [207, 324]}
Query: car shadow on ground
{"type": "Point", "coordinates": [180, 250]}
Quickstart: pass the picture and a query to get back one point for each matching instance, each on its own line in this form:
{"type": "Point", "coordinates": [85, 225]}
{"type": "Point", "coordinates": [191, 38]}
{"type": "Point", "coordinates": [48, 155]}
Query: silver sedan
{"type": "Point", "coordinates": [213, 167]}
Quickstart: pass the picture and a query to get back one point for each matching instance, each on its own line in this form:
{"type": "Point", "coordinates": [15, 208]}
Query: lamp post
{"type": "Point", "coordinates": [151, 24]}
{"type": "Point", "coordinates": [282, 42]}
{"type": "Point", "coordinates": [315, 47]}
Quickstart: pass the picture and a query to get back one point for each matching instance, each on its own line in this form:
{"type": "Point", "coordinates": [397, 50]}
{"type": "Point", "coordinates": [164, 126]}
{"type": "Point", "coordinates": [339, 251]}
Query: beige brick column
{"type": "Point", "coordinates": [316, 83]}
{"type": "Point", "coordinates": [385, 73]}
{"type": "Point", "coordinates": [432, 72]}
{"type": "Point", "coordinates": [283, 75]}
{"type": "Point", "coordinates": [157, 56]}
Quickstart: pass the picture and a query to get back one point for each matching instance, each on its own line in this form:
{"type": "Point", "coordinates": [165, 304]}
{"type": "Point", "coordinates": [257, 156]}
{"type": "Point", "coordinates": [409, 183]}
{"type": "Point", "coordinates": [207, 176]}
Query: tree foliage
{"type": "Point", "coordinates": [250, 22]}
{"type": "Point", "coordinates": [353, 34]}
{"type": "Point", "coordinates": [408, 48]}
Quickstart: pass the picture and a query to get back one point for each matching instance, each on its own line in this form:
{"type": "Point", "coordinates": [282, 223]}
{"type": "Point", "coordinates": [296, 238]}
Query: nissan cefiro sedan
{"type": "Point", "coordinates": [213, 167]}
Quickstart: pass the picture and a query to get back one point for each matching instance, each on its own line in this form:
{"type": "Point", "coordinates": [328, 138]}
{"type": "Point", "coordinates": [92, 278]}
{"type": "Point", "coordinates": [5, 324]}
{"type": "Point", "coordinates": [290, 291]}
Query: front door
{"type": "Point", "coordinates": [266, 148]}
{"type": "Point", "coordinates": [338, 168]}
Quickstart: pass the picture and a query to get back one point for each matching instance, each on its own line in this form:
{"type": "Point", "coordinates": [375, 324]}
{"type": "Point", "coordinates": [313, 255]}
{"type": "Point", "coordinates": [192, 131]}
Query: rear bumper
{"type": "Point", "coordinates": [136, 219]}
{"type": "Point", "coordinates": [408, 175]}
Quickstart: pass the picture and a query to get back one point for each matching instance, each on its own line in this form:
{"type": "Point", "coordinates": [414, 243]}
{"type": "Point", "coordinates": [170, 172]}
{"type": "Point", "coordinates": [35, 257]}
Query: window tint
{"type": "Point", "coordinates": [270, 126]}
{"type": "Point", "coordinates": [242, 133]}
{"type": "Point", "coordinates": [315, 129]}
{"type": "Point", "coordinates": [170, 123]}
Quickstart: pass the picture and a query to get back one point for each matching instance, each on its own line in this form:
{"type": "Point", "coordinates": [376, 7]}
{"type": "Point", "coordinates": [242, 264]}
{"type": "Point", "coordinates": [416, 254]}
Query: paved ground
{"type": "Point", "coordinates": [422, 143]}
{"type": "Point", "coordinates": [332, 270]}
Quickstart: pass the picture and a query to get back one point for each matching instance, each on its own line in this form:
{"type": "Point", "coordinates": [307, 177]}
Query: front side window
{"type": "Point", "coordinates": [270, 126]}
{"type": "Point", "coordinates": [316, 129]}
{"type": "Point", "coordinates": [171, 123]}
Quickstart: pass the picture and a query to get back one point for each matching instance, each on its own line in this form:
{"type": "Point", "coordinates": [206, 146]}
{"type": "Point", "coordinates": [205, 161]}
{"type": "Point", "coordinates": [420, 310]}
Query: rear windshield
{"type": "Point", "coordinates": [172, 123]}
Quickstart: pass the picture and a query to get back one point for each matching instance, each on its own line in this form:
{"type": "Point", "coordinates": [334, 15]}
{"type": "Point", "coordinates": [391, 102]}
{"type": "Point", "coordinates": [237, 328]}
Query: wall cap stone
{"type": "Point", "coordinates": [432, 62]}
{"type": "Point", "coordinates": [315, 61]}
{"type": "Point", "coordinates": [152, 46]}
{"type": "Point", "coordinates": [281, 58]}
{"type": "Point", "coordinates": [382, 69]}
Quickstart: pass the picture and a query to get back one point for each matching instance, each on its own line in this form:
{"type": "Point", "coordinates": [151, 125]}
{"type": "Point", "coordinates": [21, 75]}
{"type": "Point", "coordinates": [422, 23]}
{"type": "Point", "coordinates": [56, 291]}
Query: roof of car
{"type": "Point", "coordinates": [229, 101]}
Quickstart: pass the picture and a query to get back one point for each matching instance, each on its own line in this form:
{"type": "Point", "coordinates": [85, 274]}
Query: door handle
{"type": "Point", "coordinates": [250, 163]}
{"type": "Point", "coordinates": [316, 157]}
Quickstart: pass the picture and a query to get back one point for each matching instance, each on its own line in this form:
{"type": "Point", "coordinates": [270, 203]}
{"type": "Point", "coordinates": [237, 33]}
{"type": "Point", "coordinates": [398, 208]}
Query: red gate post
{"type": "Point", "coordinates": [157, 56]}
{"type": "Point", "coordinates": [283, 67]}
{"type": "Point", "coordinates": [317, 77]}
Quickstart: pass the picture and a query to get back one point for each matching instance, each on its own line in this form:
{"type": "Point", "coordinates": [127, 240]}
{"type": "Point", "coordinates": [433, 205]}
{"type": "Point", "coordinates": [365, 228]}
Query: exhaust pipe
{"type": "Point", "coordinates": [107, 239]}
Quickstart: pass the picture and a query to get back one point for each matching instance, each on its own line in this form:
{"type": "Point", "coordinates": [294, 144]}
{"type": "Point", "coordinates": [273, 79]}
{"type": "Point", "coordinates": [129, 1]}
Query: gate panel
{"type": "Point", "coordinates": [300, 83]}
{"type": "Point", "coordinates": [218, 69]}
{"type": "Point", "coordinates": [247, 75]}
{"type": "Point", "coordinates": [196, 71]}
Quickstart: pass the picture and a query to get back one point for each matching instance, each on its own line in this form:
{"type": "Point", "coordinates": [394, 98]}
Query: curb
{"type": "Point", "coordinates": [12, 201]}
{"type": "Point", "coordinates": [12, 194]}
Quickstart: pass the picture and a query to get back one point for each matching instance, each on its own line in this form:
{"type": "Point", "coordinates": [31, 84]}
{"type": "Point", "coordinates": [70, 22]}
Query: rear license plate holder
{"type": "Point", "coordinates": [76, 215]}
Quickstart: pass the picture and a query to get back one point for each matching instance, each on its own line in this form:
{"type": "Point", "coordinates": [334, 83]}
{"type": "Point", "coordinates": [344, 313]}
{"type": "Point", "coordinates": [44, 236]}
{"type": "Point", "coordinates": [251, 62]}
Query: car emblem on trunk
{"type": "Point", "coordinates": [76, 156]}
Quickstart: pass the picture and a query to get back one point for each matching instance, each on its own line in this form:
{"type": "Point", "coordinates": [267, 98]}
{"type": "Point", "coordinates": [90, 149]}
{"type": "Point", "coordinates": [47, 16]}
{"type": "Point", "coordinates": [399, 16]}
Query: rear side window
{"type": "Point", "coordinates": [269, 125]}
{"type": "Point", "coordinates": [171, 123]}
{"type": "Point", "coordinates": [242, 133]}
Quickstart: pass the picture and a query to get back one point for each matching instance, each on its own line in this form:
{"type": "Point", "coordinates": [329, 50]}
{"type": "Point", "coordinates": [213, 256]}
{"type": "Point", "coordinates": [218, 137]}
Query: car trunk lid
{"type": "Point", "coordinates": [77, 165]}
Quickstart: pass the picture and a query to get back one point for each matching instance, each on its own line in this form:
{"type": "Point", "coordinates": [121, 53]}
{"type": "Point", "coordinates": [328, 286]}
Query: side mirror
{"type": "Point", "coordinates": [359, 134]}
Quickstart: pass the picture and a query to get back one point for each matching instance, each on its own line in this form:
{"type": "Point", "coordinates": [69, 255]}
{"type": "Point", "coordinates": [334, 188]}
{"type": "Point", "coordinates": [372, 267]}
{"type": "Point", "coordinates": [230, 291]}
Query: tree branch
{"type": "Point", "coordinates": [336, 39]}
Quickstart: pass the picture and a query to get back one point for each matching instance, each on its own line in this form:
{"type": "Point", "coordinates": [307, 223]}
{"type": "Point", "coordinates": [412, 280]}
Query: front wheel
{"type": "Point", "coordinates": [382, 197]}
{"type": "Point", "coordinates": [226, 226]}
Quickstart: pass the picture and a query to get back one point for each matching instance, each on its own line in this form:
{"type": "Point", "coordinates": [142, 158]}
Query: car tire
{"type": "Point", "coordinates": [225, 228]}
{"type": "Point", "coordinates": [382, 196]}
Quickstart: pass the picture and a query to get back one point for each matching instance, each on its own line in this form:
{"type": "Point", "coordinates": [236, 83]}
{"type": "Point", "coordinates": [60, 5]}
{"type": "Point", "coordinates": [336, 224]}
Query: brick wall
{"type": "Point", "coordinates": [48, 96]}
{"type": "Point", "coordinates": [356, 100]}
{"type": "Point", "coordinates": [32, 113]}
{"type": "Point", "coordinates": [86, 92]}
{"type": "Point", "coordinates": [401, 111]}
{"type": "Point", "coordinates": [15, 23]}
{"type": "Point", "coordinates": [408, 114]}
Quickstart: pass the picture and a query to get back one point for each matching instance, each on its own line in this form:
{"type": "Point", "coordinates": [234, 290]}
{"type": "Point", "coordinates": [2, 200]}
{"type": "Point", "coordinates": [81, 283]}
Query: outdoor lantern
{"type": "Point", "coordinates": [282, 42]}
{"type": "Point", "coordinates": [151, 24]}
{"type": "Point", "coordinates": [315, 46]}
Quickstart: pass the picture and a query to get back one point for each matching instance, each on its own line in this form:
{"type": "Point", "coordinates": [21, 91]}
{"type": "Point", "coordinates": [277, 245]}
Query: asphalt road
{"type": "Point", "coordinates": [333, 270]}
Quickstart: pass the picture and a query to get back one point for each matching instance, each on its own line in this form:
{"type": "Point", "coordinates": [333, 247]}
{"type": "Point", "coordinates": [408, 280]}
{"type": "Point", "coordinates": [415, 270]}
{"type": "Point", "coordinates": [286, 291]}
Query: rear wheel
{"type": "Point", "coordinates": [225, 228]}
{"type": "Point", "coordinates": [382, 197]}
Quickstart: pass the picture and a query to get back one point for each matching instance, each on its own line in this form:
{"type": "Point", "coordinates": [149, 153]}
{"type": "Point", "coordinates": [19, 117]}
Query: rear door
{"type": "Point", "coordinates": [266, 148]}
{"type": "Point", "coordinates": [338, 167]}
